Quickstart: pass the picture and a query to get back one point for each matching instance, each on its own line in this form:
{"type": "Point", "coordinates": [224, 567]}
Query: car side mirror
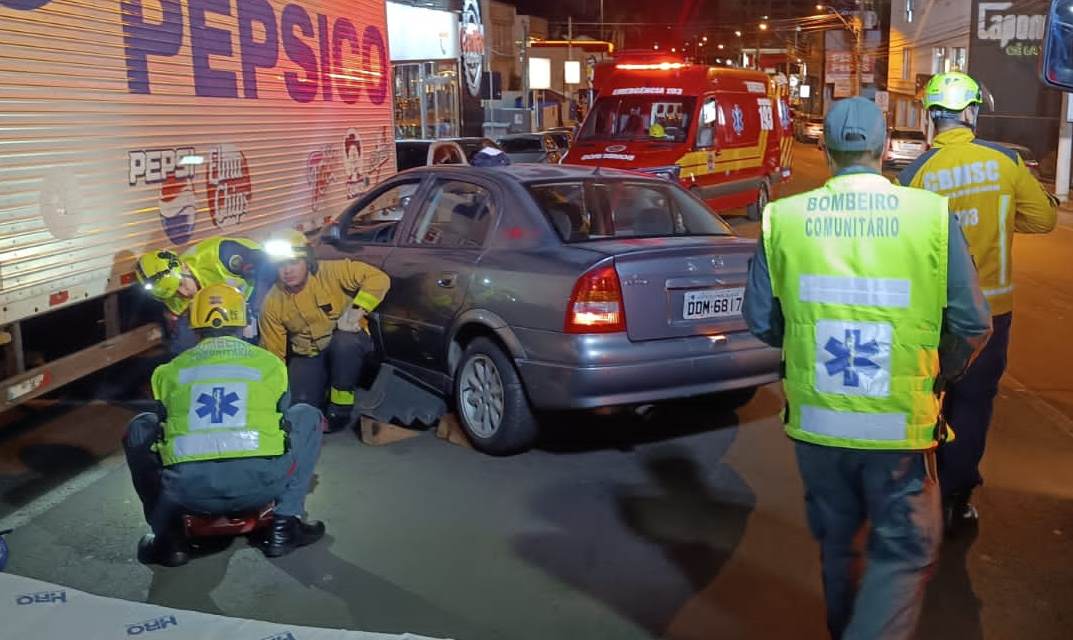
{"type": "Point", "coordinates": [1056, 63]}
{"type": "Point", "coordinates": [332, 235]}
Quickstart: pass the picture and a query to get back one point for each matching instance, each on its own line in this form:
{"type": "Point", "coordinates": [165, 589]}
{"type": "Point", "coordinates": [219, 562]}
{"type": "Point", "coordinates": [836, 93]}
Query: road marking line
{"type": "Point", "coordinates": [24, 515]}
{"type": "Point", "coordinates": [1063, 422]}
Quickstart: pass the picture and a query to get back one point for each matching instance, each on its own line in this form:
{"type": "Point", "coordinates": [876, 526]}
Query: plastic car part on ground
{"type": "Point", "coordinates": [400, 398]}
{"type": "Point", "coordinates": [35, 609]}
{"type": "Point", "coordinates": [3, 549]}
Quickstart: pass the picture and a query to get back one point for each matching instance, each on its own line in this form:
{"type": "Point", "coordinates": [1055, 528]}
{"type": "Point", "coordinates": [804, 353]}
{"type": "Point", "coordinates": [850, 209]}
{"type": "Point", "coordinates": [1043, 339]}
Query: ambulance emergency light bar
{"type": "Point", "coordinates": [659, 66]}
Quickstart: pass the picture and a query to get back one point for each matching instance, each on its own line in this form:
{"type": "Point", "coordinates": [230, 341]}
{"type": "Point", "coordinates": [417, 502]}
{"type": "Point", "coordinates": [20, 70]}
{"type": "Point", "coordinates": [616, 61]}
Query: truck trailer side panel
{"type": "Point", "coordinates": [130, 125]}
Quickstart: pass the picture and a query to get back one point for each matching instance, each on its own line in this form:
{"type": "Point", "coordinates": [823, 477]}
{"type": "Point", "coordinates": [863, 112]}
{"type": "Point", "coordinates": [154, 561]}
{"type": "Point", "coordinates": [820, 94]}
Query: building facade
{"type": "Point", "coordinates": [926, 37]}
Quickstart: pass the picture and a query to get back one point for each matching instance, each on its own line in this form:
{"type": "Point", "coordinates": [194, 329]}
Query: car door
{"type": "Point", "coordinates": [370, 228]}
{"type": "Point", "coordinates": [431, 272]}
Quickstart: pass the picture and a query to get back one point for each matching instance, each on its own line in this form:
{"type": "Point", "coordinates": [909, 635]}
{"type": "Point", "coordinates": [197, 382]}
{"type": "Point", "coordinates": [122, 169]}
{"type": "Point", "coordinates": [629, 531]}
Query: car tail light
{"type": "Point", "coordinates": [596, 304]}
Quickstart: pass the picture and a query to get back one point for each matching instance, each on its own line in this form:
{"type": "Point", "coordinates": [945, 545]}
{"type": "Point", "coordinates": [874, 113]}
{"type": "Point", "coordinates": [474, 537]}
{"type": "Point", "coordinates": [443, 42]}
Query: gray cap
{"type": "Point", "coordinates": [854, 124]}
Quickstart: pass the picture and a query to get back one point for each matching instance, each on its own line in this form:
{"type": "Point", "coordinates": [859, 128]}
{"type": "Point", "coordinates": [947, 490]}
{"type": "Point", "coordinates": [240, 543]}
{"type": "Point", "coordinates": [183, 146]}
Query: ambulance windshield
{"type": "Point", "coordinates": [656, 118]}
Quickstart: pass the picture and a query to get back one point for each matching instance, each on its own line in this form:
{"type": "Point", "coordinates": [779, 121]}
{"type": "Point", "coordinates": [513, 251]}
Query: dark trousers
{"type": "Point", "coordinates": [222, 487]}
{"type": "Point", "coordinates": [967, 407]}
{"type": "Point", "coordinates": [897, 492]}
{"type": "Point", "coordinates": [340, 365]}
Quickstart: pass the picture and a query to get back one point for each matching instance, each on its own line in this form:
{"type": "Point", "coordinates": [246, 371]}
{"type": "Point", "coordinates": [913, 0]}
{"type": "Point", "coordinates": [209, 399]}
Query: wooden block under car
{"type": "Point", "coordinates": [373, 432]}
{"type": "Point", "coordinates": [450, 430]}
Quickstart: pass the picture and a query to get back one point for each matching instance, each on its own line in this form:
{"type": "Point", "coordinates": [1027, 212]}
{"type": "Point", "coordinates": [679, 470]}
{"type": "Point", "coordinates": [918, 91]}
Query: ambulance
{"type": "Point", "coordinates": [725, 134]}
{"type": "Point", "coordinates": [134, 125]}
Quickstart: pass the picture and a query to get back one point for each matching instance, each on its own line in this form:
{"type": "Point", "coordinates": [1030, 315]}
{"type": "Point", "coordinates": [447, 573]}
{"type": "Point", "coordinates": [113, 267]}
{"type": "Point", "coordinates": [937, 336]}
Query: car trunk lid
{"type": "Point", "coordinates": [679, 287]}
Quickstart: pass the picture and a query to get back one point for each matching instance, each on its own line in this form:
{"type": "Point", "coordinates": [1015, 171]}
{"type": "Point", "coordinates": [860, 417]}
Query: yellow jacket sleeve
{"type": "Point", "coordinates": [1036, 211]}
{"type": "Point", "coordinates": [371, 283]}
{"type": "Point", "coordinates": [270, 325]}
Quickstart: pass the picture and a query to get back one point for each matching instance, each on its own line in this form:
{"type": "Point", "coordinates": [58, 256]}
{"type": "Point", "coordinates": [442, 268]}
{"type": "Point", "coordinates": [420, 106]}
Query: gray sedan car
{"type": "Point", "coordinates": [533, 288]}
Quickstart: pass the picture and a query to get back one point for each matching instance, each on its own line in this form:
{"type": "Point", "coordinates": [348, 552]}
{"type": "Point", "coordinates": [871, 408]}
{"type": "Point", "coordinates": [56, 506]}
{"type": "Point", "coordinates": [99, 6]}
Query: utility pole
{"type": "Point", "coordinates": [1065, 149]}
{"type": "Point", "coordinates": [528, 99]}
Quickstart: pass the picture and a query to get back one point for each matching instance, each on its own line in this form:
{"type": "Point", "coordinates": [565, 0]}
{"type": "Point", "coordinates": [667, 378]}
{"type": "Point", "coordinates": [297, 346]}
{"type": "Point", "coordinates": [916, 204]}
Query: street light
{"type": "Point", "coordinates": [737, 33]}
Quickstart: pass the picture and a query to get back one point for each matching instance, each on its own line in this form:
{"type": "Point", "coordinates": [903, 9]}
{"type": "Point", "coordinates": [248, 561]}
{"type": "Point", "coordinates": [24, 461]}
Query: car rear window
{"type": "Point", "coordinates": [515, 145]}
{"type": "Point", "coordinates": [600, 209]}
{"type": "Point", "coordinates": [410, 155]}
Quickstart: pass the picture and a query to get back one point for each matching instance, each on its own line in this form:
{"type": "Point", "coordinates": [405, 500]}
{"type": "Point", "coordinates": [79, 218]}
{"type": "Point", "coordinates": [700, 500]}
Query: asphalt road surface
{"type": "Point", "coordinates": [685, 521]}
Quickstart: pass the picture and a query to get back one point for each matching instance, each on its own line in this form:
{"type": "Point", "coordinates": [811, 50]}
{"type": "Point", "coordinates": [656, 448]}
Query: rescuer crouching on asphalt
{"type": "Point", "coordinates": [318, 309]}
{"type": "Point", "coordinates": [224, 438]}
{"type": "Point", "coordinates": [174, 279]}
{"type": "Point", "coordinates": [869, 290]}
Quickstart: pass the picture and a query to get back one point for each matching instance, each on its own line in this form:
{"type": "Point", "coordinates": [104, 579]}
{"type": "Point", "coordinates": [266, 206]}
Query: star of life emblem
{"type": "Point", "coordinates": [218, 405]}
{"type": "Point", "coordinates": [853, 358]}
{"type": "Point", "coordinates": [737, 118]}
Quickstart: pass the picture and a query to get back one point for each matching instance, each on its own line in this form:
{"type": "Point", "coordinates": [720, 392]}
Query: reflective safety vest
{"type": "Point", "coordinates": [222, 401]}
{"type": "Point", "coordinates": [859, 269]}
{"type": "Point", "coordinates": [203, 260]}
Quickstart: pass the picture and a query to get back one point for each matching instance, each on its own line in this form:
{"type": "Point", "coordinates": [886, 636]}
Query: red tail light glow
{"type": "Point", "coordinates": [596, 304]}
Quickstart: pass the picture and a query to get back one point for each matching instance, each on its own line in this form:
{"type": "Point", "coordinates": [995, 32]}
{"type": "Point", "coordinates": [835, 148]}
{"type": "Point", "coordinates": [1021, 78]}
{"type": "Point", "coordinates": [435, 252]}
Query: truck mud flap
{"type": "Point", "coordinates": [400, 398]}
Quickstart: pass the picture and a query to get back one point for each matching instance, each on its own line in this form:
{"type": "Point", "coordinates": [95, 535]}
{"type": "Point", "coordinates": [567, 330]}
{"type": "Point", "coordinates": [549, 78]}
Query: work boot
{"type": "Point", "coordinates": [338, 416]}
{"type": "Point", "coordinates": [169, 551]}
{"type": "Point", "coordinates": [958, 515]}
{"type": "Point", "coordinates": [290, 532]}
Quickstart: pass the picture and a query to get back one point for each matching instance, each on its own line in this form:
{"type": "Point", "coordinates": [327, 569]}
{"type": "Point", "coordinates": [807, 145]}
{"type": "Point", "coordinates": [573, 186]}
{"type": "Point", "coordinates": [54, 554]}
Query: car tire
{"type": "Point", "coordinates": [763, 196]}
{"type": "Point", "coordinates": [490, 401]}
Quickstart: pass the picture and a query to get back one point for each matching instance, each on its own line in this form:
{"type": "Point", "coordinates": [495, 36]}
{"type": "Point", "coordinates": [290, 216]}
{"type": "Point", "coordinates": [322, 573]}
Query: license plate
{"type": "Point", "coordinates": [712, 303]}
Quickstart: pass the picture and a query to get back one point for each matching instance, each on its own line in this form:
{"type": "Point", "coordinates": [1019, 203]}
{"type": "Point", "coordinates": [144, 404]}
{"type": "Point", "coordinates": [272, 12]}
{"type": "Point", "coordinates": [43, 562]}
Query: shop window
{"type": "Point", "coordinates": [961, 62]}
{"type": "Point", "coordinates": [939, 62]}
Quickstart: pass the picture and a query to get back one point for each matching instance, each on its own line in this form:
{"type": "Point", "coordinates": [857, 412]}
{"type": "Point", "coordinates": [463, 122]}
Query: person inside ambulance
{"type": "Point", "coordinates": [993, 195]}
{"type": "Point", "coordinates": [174, 279]}
{"type": "Point", "coordinates": [314, 318]}
{"type": "Point", "coordinates": [224, 439]}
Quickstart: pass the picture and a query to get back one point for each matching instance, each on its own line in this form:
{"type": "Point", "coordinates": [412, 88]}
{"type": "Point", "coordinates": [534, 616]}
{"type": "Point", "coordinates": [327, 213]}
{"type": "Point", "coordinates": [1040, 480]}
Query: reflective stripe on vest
{"type": "Point", "coordinates": [222, 401]}
{"type": "Point", "coordinates": [859, 268]}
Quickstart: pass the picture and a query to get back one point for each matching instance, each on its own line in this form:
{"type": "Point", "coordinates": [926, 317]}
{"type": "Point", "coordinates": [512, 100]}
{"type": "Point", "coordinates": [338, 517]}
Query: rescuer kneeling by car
{"type": "Point", "coordinates": [314, 319]}
{"type": "Point", "coordinates": [224, 438]}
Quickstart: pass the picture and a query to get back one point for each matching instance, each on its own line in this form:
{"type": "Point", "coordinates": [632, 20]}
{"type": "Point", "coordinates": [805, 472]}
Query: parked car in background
{"type": "Point", "coordinates": [421, 153]}
{"type": "Point", "coordinates": [808, 128]}
{"type": "Point", "coordinates": [470, 146]}
{"type": "Point", "coordinates": [530, 147]}
{"type": "Point", "coordinates": [906, 145]}
{"type": "Point", "coordinates": [1026, 154]}
{"type": "Point", "coordinates": [531, 288]}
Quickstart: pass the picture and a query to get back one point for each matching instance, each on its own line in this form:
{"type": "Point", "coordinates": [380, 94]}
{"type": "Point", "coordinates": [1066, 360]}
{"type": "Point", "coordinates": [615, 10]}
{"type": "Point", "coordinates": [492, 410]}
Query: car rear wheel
{"type": "Point", "coordinates": [763, 196]}
{"type": "Point", "coordinates": [491, 402]}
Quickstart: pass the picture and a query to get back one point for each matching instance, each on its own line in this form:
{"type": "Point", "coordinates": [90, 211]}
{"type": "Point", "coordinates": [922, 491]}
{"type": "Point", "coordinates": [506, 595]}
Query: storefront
{"type": "Point", "coordinates": [424, 47]}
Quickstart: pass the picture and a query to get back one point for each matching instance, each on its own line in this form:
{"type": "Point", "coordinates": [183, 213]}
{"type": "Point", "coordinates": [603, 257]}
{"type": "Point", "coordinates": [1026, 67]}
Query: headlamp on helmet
{"type": "Point", "coordinates": [289, 245]}
{"type": "Point", "coordinates": [160, 273]}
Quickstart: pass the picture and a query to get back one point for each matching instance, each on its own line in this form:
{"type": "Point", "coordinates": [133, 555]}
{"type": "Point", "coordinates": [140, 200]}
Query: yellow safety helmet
{"type": "Point", "coordinates": [952, 91]}
{"type": "Point", "coordinates": [218, 306]}
{"type": "Point", "coordinates": [160, 273]}
{"type": "Point", "coordinates": [288, 245]}
{"type": "Point", "coordinates": [657, 131]}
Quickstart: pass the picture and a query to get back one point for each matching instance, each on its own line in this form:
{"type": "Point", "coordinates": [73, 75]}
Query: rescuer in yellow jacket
{"type": "Point", "coordinates": [314, 319]}
{"type": "Point", "coordinates": [174, 279]}
{"type": "Point", "coordinates": [993, 195]}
